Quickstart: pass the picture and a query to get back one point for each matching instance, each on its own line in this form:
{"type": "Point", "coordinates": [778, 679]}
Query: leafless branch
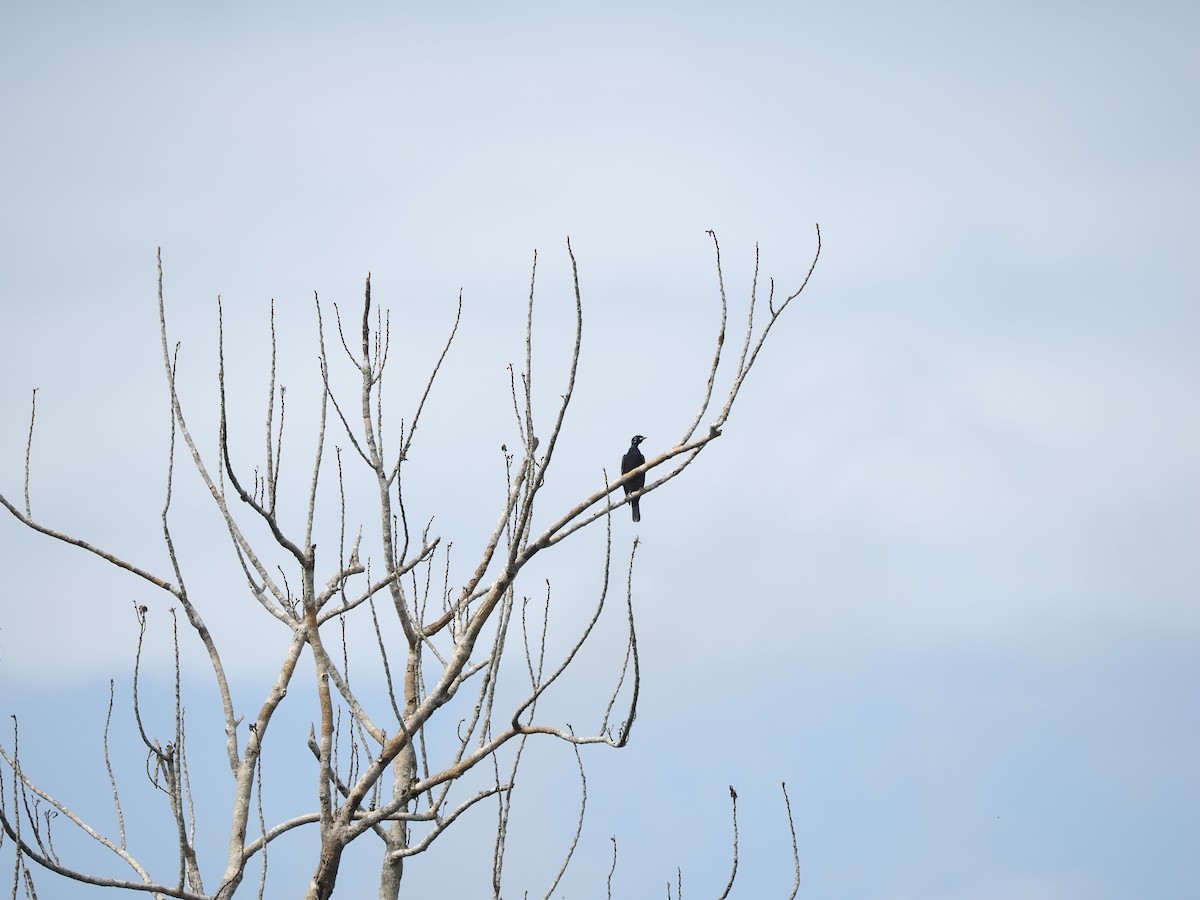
{"type": "Point", "coordinates": [268, 518]}
{"type": "Point", "coordinates": [262, 826]}
{"type": "Point", "coordinates": [795, 848]}
{"type": "Point", "coordinates": [270, 480]}
{"type": "Point", "coordinates": [613, 868]}
{"type": "Point", "coordinates": [90, 548]}
{"type": "Point", "coordinates": [44, 859]}
{"type": "Point", "coordinates": [29, 450]}
{"type": "Point", "coordinates": [406, 444]}
{"type": "Point", "coordinates": [112, 780]}
{"type": "Point", "coordinates": [578, 825]}
{"type": "Point", "coordinates": [733, 873]}
{"type": "Point", "coordinates": [441, 823]}
{"type": "Point", "coordinates": [712, 372]}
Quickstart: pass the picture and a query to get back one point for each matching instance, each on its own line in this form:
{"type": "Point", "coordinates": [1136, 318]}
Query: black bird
{"type": "Point", "coordinates": [630, 461]}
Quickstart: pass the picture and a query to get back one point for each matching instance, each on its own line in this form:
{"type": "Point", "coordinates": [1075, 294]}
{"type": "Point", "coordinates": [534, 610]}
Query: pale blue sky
{"type": "Point", "coordinates": [941, 575]}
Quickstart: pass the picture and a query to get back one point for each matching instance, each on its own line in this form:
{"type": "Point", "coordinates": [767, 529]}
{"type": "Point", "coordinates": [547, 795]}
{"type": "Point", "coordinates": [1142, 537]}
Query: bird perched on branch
{"type": "Point", "coordinates": [630, 461]}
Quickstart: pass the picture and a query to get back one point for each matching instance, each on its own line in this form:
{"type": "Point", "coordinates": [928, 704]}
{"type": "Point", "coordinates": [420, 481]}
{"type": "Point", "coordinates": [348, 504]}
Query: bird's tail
{"type": "Point", "coordinates": [637, 513]}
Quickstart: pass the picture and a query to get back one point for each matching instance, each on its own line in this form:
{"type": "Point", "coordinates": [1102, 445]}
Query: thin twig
{"type": "Point", "coordinates": [267, 517]}
{"type": "Point", "coordinates": [578, 825]}
{"type": "Point", "coordinates": [112, 780]}
{"type": "Point", "coordinates": [613, 867]}
{"type": "Point", "coordinates": [42, 859]}
{"type": "Point", "coordinates": [406, 444]}
{"type": "Point", "coordinates": [795, 847]}
{"type": "Point", "coordinates": [29, 450]}
{"type": "Point", "coordinates": [712, 372]}
{"type": "Point", "coordinates": [262, 826]}
{"type": "Point", "coordinates": [90, 548]}
{"type": "Point", "coordinates": [270, 480]}
{"type": "Point", "coordinates": [733, 873]}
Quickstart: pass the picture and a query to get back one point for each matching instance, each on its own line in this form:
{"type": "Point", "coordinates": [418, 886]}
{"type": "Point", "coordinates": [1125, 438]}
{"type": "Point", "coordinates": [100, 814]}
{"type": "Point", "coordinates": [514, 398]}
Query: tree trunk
{"type": "Point", "coordinates": [392, 872]}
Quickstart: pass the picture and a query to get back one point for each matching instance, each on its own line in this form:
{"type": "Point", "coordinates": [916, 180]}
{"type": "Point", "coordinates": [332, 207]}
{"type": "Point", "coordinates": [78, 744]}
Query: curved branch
{"type": "Point", "coordinates": [372, 589]}
{"type": "Point", "coordinates": [441, 824]}
{"type": "Point", "coordinates": [90, 548]}
{"type": "Point", "coordinates": [578, 825]}
{"type": "Point", "coordinates": [29, 448]}
{"type": "Point", "coordinates": [193, 614]}
{"type": "Point", "coordinates": [239, 540]}
{"type": "Point", "coordinates": [744, 370]}
{"type": "Point", "coordinates": [795, 849]}
{"type": "Point", "coordinates": [43, 860]}
{"type": "Point", "coordinates": [570, 391]}
{"type": "Point", "coordinates": [321, 420]}
{"type": "Point", "coordinates": [712, 372]}
{"type": "Point", "coordinates": [267, 517]}
{"type": "Point", "coordinates": [733, 873]}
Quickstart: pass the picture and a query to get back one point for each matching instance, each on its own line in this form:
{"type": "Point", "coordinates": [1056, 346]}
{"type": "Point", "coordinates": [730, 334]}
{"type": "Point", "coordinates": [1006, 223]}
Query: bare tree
{"type": "Point", "coordinates": [403, 769]}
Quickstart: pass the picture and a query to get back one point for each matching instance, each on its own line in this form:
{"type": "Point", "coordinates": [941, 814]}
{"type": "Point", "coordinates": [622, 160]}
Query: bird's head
{"type": "Point", "coordinates": [637, 439]}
